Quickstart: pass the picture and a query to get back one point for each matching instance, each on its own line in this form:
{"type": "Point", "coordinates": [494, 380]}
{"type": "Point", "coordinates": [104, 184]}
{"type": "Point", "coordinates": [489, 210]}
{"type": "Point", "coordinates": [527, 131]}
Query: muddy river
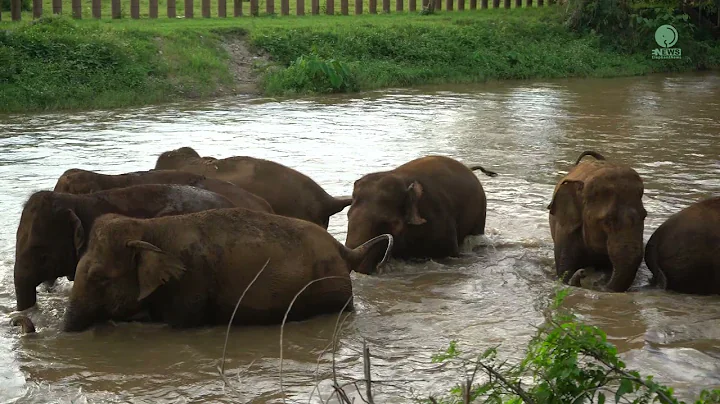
{"type": "Point", "coordinates": [667, 127]}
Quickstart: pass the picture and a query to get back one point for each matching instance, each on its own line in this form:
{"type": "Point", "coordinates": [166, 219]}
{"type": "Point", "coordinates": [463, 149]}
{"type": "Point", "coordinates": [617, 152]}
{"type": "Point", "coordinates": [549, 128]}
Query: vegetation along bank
{"type": "Point", "coordinates": [60, 63]}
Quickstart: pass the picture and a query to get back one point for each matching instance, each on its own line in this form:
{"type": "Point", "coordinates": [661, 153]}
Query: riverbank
{"type": "Point", "coordinates": [59, 63]}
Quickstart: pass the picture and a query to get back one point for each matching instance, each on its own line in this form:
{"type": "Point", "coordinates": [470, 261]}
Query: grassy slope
{"type": "Point", "coordinates": [97, 64]}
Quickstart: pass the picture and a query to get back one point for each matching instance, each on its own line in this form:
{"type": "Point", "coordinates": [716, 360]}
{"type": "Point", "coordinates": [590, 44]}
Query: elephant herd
{"type": "Point", "coordinates": [181, 243]}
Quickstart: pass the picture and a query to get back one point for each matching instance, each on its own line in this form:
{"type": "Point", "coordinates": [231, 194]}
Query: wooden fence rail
{"type": "Point", "coordinates": [254, 7]}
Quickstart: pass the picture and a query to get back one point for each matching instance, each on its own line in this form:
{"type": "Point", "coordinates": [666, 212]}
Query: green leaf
{"type": "Point", "coordinates": [626, 386]}
{"type": "Point", "coordinates": [601, 398]}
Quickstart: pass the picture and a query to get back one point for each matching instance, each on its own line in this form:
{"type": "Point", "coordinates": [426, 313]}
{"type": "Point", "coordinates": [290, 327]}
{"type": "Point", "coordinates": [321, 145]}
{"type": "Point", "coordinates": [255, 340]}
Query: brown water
{"type": "Point", "coordinates": [529, 132]}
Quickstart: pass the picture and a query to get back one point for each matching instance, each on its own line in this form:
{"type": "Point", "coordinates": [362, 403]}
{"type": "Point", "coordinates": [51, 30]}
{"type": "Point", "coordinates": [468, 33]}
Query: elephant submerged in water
{"type": "Point", "coordinates": [289, 192]}
{"type": "Point", "coordinates": [597, 220]}
{"type": "Point", "coordinates": [429, 205]}
{"type": "Point", "coordinates": [52, 233]}
{"type": "Point", "coordinates": [190, 270]}
{"type": "Point", "coordinates": [76, 181]}
{"type": "Point", "coordinates": [683, 253]}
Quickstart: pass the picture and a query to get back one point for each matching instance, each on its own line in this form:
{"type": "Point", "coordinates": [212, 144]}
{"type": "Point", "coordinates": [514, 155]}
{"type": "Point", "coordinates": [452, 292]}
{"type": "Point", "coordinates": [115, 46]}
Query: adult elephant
{"type": "Point", "coordinates": [597, 220]}
{"type": "Point", "coordinates": [76, 181]}
{"type": "Point", "coordinates": [429, 205]}
{"type": "Point", "coordinates": [683, 254]}
{"type": "Point", "coordinates": [288, 191]}
{"type": "Point", "coordinates": [191, 270]}
{"type": "Point", "coordinates": [53, 228]}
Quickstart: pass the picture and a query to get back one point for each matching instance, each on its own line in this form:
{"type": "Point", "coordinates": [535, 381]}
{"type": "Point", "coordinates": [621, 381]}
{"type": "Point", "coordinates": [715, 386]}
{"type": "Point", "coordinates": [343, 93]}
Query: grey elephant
{"type": "Point", "coordinates": [597, 220]}
{"type": "Point", "coordinates": [190, 270]}
{"type": "Point", "coordinates": [683, 253]}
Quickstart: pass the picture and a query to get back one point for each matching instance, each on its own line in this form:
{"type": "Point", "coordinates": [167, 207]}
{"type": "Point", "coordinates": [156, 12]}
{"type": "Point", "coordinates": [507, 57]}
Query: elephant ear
{"type": "Point", "coordinates": [412, 214]}
{"type": "Point", "coordinates": [78, 232]}
{"type": "Point", "coordinates": [155, 267]}
{"type": "Point", "coordinates": [566, 203]}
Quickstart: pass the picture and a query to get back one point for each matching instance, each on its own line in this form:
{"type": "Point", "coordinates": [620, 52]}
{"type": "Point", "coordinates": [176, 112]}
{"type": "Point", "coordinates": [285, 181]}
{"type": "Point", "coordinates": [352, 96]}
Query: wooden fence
{"type": "Point", "coordinates": [115, 11]}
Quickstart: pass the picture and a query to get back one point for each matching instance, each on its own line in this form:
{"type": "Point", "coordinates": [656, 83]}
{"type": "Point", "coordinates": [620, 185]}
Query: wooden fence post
{"type": "Point", "coordinates": [412, 6]}
{"type": "Point", "coordinates": [189, 12]}
{"type": "Point", "coordinates": [528, 3]}
{"type": "Point", "coordinates": [222, 8]}
{"type": "Point", "coordinates": [76, 8]}
{"type": "Point", "coordinates": [300, 7]}
{"type": "Point", "coordinates": [135, 9]}
{"type": "Point", "coordinates": [254, 8]}
{"type": "Point", "coordinates": [483, 4]}
{"type": "Point", "coordinates": [344, 7]}
{"type": "Point", "coordinates": [372, 5]}
{"type": "Point", "coordinates": [237, 8]}
{"type": "Point", "coordinates": [358, 7]}
{"type": "Point", "coordinates": [315, 7]}
{"type": "Point", "coordinates": [37, 8]}
{"type": "Point", "coordinates": [518, 3]}
{"type": "Point", "coordinates": [507, 3]}
{"type": "Point", "coordinates": [496, 3]}
{"type": "Point", "coordinates": [541, 3]}
{"type": "Point", "coordinates": [399, 5]}
{"type": "Point", "coordinates": [171, 9]}
{"type": "Point", "coordinates": [329, 7]}
{"type": "Point", "coordinates": [15, 10]}
{"type": "Point", "coordinates": [96, 8]}
{"type": "Point", "coordinates": [205, 8]}
{"type": "Point", "coordinates": [449, 5]}
{"type": "Point", "coordinates": [285, 7]}
{"type": "Point", "coordinates": [114, 8]}
{"type": "Point", "coordinates": [438, 5]}
{"type": "Point", "coordinates": [386, 6]}
{"type": "Point", "coordinates": [153, 9]}
{"type": "Point", "coordinates": [461, 5]}
{"type": "Point", "coordinates": [473, 4]}
{"type": "Point", "coordinates": [57, 6]}
{"type": "Point", "coordinates": [270, 6]}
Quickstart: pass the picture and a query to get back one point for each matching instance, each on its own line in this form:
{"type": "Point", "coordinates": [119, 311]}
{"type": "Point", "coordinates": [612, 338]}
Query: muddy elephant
{"type": "Point", "coordinates": [597, 220]}
{"type": "Point", "coordinates": [289, 192]}
{"type": "Point", "coordinates": [190, 270]}
{"type": "Point", "coordinates": [429, 205]}
{"type": "Point", "coordinates": [76, 181]}
{"type": "Point", "coordinates": [53, 228]}
{"type": "Point", "coordinates": [683, 253]}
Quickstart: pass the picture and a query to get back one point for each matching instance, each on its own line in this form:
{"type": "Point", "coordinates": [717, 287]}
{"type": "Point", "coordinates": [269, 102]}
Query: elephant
{"type": "Point", "coordinates": [289, 192]}
{"type": "Point", "coordinates": [25, 323]}
{"type": "Point", "coordinates": [597, 220]}
{"type": "Point", "coordinates": [190, 270]}
{"type": "Point", "coordinates": [588, 278]}
{"type": "Point", "coordinates": [53, 228]}
{"type": "Point", "coordinates": [429, 205]}
{"type": "Point", "coordinates": [683, 253]}
{"type": "Point", "coordinates": [77, 181]}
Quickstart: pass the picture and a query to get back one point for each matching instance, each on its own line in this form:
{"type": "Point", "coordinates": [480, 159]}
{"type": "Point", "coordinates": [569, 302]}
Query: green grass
{"type": "Point", "coordinates": [80, 64]}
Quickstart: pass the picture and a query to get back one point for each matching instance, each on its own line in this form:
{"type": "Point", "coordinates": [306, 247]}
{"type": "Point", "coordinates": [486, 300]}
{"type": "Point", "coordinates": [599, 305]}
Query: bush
{"type": "Point", "coordinates": [568, 362]}
{"type": "Point", "coordinates": [312, 74]}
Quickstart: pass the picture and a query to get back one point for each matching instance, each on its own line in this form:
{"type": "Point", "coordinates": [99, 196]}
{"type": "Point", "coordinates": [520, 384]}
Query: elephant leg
{"type": "Point", "coordinates": [569, 257]}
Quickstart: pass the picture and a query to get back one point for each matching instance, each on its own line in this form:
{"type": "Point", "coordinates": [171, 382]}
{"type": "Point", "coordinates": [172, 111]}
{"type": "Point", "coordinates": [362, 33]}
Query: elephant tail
{"type": "Point", "coordinates": [371, 255]}
{"type": "Point", "coordinates": [597, 156]}
{"type": "Point", "coordinates": [481, 168]}
{"type": "Point", "coordinates": [651, 260]}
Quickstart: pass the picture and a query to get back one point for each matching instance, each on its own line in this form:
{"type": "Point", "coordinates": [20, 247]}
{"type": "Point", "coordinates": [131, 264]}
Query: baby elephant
{"type": "Point", "coordinates": [52, 233]}
{"type": "Point", "coordinates": [683, 254]}
{"type": "Point", "coordinates": [190, 270]}
{"type": "Point", "coordinates": [429, 205]}
{"type": "Point", "coordinates": [76, 181]}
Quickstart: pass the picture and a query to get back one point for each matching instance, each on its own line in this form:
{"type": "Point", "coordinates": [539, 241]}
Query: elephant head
{"type": "Point", "coordinates": [607, 213]}
{"type": "Point", "coordinates": [49, 241]}
{"type": "Point", "coordinates": [76, 181]}
{"type": "Point", "coordinates": [383, 204]}
{"type": "Point", "coordinates": [116, 274]}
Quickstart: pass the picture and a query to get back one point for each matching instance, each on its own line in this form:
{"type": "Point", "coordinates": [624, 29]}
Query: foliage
{"type": "Point", "coordinates": [314, 74]}
{"type": "Point", "coordinates": [568, 362]}
{"type": "Point", "coordinates": [55, 62]}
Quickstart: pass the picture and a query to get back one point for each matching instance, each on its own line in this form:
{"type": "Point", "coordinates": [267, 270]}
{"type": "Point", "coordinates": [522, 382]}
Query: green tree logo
{"type": "Point", "coordinates": [666, 36]}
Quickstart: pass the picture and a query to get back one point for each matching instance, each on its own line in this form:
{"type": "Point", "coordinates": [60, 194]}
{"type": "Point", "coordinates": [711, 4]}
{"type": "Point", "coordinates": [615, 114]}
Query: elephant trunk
{"type": "Point", "coordinates": [371, 255]}
{"type": "Point", "coordinates": [626, 254]}
{"type": "Point", "coordinates": [78, 317]}
{"type": "Point", "coordinates": [25, 290]}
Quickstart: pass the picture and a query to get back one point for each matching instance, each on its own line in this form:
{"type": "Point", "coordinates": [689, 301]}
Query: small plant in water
{"type": "Point", "coordinates": [567, 362]}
